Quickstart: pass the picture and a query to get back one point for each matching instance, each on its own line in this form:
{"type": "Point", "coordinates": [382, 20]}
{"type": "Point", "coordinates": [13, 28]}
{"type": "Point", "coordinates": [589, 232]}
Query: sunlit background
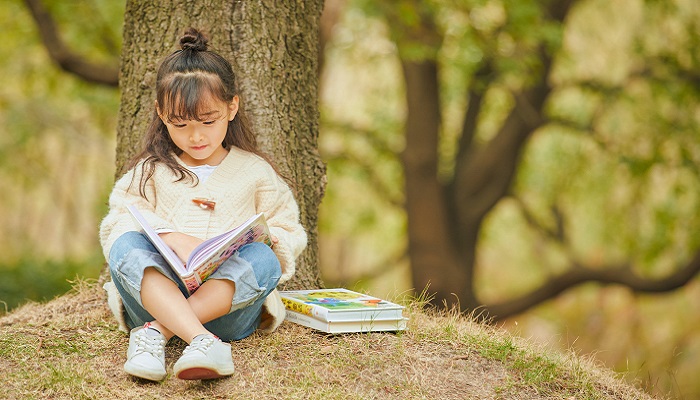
{"type": "Point", "coordinates": [633, 186]}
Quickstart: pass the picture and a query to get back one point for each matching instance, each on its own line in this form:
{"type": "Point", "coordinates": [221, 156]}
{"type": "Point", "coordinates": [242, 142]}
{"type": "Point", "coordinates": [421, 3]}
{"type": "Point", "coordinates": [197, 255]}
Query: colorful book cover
{"type": "Point", "coordinates": [340, 305]}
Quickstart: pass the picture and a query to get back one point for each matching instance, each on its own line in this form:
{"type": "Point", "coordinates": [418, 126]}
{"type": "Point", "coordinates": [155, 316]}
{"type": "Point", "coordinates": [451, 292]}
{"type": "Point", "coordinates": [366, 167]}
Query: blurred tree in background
{"type": "Point", "coordinates": [512, 150]}
{"type": "Point", "coordinates": [543, 145]}
{"type": "Point", "coordinates": [523, 82]}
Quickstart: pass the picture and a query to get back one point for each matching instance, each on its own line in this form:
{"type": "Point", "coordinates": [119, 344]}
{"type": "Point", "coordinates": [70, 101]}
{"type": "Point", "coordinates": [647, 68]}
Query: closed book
{"type": "Point", "coordinates": [331, 305]}
{"type": "Point", "coordinates": [350, 326]}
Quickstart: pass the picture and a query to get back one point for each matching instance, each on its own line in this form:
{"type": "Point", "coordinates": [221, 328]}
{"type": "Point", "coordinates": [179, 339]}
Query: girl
{"type": "Point", "coordinates": [200, 174]}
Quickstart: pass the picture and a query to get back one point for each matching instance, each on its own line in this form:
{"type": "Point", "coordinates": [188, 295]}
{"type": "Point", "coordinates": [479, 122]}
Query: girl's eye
{"type": "Point", "coordinates": [179, 125]}
{"type": "Point", "coordinates": [208, 122]}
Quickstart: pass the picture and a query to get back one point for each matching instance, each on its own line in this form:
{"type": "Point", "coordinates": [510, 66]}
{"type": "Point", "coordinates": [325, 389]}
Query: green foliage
{"type": "Point", "coordinates": [32, 279]}
{"type": "Point", "coordinates": [57, 149]}
{"type": "Point", "coordinates": [360, 141]}
{"type": "Point", "coordinates": [41, 100]}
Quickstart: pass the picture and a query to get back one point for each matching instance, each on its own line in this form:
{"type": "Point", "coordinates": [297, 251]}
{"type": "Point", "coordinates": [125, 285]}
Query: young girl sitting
{"type": "Point", "coordinates": [199, 174]}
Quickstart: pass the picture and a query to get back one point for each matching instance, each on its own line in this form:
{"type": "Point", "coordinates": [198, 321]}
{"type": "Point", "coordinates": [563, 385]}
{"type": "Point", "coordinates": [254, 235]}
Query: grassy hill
{"type": "Point", "coordinates": [70, 348]}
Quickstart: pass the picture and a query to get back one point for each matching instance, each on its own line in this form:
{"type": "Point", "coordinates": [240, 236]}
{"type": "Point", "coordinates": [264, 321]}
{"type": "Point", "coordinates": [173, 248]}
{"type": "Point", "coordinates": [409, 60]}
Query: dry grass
{"type": "Point", "coordinates": [70, 348]}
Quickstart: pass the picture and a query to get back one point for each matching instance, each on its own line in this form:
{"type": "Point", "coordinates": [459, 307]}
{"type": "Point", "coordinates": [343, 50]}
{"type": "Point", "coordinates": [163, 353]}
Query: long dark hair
{"type": "Point", "coordinates": [184, 78]}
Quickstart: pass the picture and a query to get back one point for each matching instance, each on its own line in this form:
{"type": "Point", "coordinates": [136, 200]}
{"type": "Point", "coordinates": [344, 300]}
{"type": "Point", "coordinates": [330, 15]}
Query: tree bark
{"type": "Point", "coordinates": [273, 47]}
{"type": "Point", "coordinates": [434, 263]}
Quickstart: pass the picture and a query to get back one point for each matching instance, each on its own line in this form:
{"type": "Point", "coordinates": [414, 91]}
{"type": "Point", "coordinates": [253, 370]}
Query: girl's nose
{"type": "Point", "coordinates": [195, 137]}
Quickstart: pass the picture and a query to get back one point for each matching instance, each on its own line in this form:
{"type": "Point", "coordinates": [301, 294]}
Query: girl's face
{"type": "Point", "coordinates": [201, 141]}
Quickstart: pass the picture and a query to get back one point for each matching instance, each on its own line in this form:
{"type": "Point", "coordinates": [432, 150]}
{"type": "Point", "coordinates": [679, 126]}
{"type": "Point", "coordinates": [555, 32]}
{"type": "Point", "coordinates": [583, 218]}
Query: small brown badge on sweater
{"type": "Point", "coordinates": [205, 204]}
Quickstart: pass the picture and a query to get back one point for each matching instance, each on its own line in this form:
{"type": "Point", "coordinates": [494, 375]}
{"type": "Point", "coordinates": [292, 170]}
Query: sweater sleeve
{"type": "Point", "coordinates": [276, 201]}
{"type": "Point", "coordinates": [118, 220]}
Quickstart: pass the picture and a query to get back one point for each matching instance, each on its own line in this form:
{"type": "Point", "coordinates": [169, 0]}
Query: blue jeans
{"type": "Point", "coordinates": [254, 269]}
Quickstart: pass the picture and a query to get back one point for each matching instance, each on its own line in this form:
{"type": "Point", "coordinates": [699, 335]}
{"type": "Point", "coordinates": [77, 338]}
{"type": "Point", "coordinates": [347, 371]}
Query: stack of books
{"type": "Point", "coordinates": [342, 311]}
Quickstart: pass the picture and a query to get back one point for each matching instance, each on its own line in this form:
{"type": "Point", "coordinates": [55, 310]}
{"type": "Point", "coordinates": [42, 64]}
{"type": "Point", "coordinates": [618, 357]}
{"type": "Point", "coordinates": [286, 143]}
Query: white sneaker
{"type": "Point", "coordinates": [207, 357]}
{"type": "Point", "coordinates": [145, 357]}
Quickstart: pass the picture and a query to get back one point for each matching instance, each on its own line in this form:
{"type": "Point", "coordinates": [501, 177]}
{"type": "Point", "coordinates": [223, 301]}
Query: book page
{"type": "Point", "coordinates": [252, 230]}
{"type": "Point", "coordinates": [162, 247]}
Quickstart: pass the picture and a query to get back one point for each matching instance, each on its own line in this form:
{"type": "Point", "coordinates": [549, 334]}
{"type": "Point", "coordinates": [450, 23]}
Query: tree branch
{"type": "Point", "coordinates": [577, 274]}
{"type": "Point", "coordinates": [486, 176]}
{"type": "Point", "coordinates": [475, 99]}
{"type": "Point", "coordinates": [58, 51]}
{"type": "Point", "coordinates": [558, 10]}
{"type": "Point", "coordinates": [556, 233]}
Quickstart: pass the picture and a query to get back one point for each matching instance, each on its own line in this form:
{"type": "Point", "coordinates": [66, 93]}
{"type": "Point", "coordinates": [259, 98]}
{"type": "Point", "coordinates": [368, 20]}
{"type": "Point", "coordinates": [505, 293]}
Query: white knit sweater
{"type": "Point", "coordinates": [242, 185]}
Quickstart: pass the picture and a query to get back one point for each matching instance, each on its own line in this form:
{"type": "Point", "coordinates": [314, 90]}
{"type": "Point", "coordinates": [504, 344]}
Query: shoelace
{"type": "Point", "coordinates": [202, 345]}
{"type": "Point", "coordinates": [146, 343]}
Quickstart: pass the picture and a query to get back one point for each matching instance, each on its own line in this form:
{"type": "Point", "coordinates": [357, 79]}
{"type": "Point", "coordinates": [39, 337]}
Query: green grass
{"type": "Point", "coordinates": [40, 280]}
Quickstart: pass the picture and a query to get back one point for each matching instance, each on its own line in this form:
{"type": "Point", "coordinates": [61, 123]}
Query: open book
{"type": "Point", "coordinates": [210, 254]}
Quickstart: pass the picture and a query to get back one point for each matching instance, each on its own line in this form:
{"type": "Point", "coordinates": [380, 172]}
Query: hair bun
{"type": "Point", "coordinates": [194, 40]}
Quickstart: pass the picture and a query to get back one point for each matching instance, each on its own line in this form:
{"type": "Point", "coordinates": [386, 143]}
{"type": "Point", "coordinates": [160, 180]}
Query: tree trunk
{"type": "Point", "coordinates": [441, 260]}
{"type": "Point", "coordinates": [434, 264]}
{"type": "Point", "coordinates": [273, 49]}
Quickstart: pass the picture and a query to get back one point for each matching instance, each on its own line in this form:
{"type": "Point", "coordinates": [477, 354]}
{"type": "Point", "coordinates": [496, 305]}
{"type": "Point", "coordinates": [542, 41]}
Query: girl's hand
{"type": "Point", "coordinates": [182, 244]}
{"type": "Point", "coordinates": [274, 239]}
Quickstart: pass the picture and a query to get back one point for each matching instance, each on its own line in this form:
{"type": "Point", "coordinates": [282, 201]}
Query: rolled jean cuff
{"type": "Point", "coordinates": [240, 272]}
{"type": "Point", "coordinates": [130, 270]}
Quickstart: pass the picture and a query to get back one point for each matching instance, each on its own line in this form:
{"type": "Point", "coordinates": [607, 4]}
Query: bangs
{"type": "Point", "coordinates": [190, 96]}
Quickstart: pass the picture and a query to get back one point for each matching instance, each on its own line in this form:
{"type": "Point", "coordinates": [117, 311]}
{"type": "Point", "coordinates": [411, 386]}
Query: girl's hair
{"type": "Point", "coordinates": [184, 78]}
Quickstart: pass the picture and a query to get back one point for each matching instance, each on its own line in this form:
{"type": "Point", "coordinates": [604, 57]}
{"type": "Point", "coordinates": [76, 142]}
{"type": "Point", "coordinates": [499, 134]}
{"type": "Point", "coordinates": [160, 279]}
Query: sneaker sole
{"type": "Point", "coordinates": [151, 376]}
{"type": "Point", "coordinates": [197, 373]}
